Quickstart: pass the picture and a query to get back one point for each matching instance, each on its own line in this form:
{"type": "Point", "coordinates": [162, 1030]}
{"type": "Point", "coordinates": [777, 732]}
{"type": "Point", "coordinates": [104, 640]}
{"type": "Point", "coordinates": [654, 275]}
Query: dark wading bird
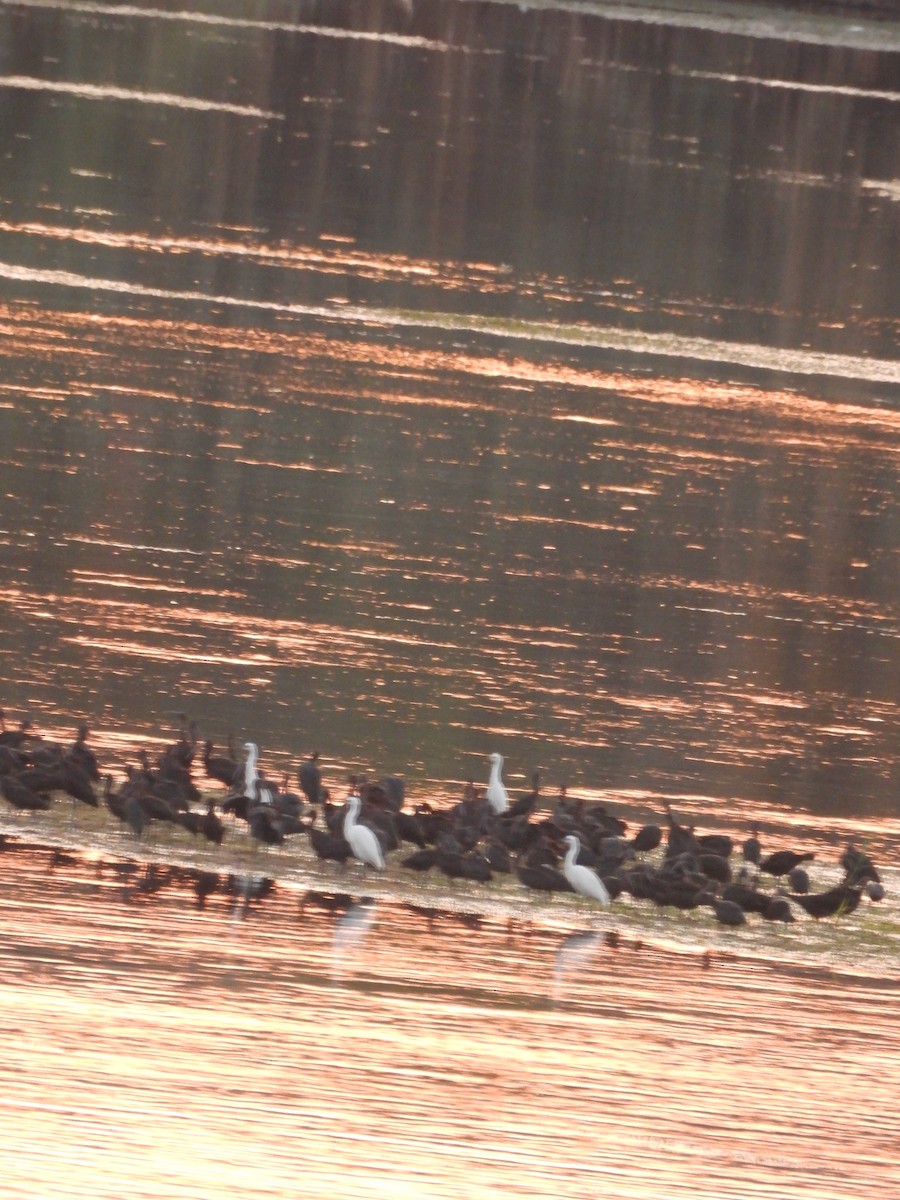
{"type": "Point", "coordinates": [647, 838]}
{"type": "Point", "coordinates": [728, 913]}
{"type": "Point", "coordinates": [540, 875]}
{"type": "Point", "coordinates": [470, 840]}
{"type": "Point", "coordinates": [751, 849]}
{"type": "Point", "coordinates": [265, 825]}
{"type": "Point", "coordinates": [309, 776]}
{"type": "Point", "coordinates": [783, 861]}
{"type": "Point", "coordinates": [22, 797]}
{"type": "Point", "coordinates": [220, 766]}
{"type": "Point", "coordinates": [836, 902]}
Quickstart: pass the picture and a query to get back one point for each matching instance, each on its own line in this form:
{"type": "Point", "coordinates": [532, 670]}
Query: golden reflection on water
{"type": "Point", "coordinates": [439, 1042]}
{"type": "Point", "coordinates": [154, 1049]}
{"type": "Point", "coordinates": [380, 518]}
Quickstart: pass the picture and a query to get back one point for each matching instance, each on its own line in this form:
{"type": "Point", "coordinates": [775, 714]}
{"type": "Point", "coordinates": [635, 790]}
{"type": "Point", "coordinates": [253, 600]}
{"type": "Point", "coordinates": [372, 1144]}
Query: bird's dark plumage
{"type": "Point", "coordinates": [836, 902]}
{"type": "Point", "coordinates": [647, 838]}
{"type": "Point", "coordinates": [783, 861]}
{"type": "Point", "coordinates": [309, 776]}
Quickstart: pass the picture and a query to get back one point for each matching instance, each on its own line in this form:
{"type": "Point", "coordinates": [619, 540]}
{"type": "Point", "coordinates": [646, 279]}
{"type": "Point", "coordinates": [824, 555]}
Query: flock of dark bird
{"type": "Point", "coordinates": [561, 845]}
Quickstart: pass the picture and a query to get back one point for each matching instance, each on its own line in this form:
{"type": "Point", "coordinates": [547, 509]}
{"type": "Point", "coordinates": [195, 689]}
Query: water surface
{"type": "Point", "coordinates": [205, 1053]}
{"type": "Point", "coordinates": [412, 382]}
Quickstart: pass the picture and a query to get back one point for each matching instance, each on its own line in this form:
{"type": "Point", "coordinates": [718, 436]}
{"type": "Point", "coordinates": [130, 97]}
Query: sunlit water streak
{"type": "Point", "coordinates": [776, 23]}
{"type": "Point", "coordinates": [153, 599]}
{"type": "Point", "coordinates": [640, 343]}
{"type": "Point", "coordinates": [89, 91]}
{"type": "Point", "coordinates": [225, 20]}
{"type": "Point", "coordinates": [798, 85]}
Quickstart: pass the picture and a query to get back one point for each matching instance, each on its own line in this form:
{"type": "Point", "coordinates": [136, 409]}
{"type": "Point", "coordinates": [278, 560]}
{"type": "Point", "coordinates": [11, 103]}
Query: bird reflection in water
{"type": "Point", "coordinates": [573, 956]}
{"type": "Point", "coordinates": [327, 901]}
{"type": "Point", "coordinates": [350, 932]}
{"type": "Point", "coordinates": [248, 889]}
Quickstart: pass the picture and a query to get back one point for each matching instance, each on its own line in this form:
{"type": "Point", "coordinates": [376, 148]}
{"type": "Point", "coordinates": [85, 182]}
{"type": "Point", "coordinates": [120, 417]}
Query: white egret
{"type": "Point", "coordinates": [251, 775]}
{"type": "Point", "coordinates": [361, 839]}
{"type": "Point", "coordinates": [585, 881]}
{"type": "Point", "coordinates": [497, 795]}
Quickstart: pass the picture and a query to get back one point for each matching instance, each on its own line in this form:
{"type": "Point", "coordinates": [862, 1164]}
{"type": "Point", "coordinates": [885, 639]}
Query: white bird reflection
{"type": "Point", "coordinates": [573, 955]}
{"type": "Point", "coordinates": [350, 932]}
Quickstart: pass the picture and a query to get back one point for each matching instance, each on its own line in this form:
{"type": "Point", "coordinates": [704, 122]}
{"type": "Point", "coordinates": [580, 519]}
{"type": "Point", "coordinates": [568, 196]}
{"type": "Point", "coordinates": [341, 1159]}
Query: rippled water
{"type": "Point", "coordinates": [167, 1050]}
{"type": "Point", "coordinates": [411, 382]}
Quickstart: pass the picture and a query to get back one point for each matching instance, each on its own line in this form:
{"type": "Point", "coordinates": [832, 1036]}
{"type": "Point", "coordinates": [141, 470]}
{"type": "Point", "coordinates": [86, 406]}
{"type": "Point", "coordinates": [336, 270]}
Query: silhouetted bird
{"type": "Point", "coordinates": [466, 866]}
{"type": "Point", "coordinates": [182, 751]}
{"type": "Point", "coordinates": [681, 838]}
{"type": "Point", "coordinates": [309, 777]}
{"type": "Point", "coordinates": [751, 849]}
{"type": "Point", "coordinates": [328, 845]}
{"type": "Point", "coordinates": [20, 796]}
{"type": "Point", "coordinates": [858, 867]}
{"type": "Point", "coordinates": [155, 808]}
{"type": "Point", "coordinates": [421, 860]}
{"type": "Point", "coordinates": [715, 866]}
{"type": "Point", "coordinates": [798, 880]}
{"type": "Point", "coordinates": [783, 861]}
{"type": "Point", "coordinates": [498, 855]}
{"type": "Point", "coordinates": [211, 825]}
{"type": "Point", "coordinates": [525, 805]}
{"type": "Point", "coordinates": [836, 902]}
{"type": "Point", "coordinates": [47, 778]}
{"type": "Point", "coordinates": [749, 898]}
{"type": "Point", "coordinates": [716, 843]}
{"type": "Point", "coordinates": [81, 753]}
{"type": "Point", "coordinates": [394, 790]}
{"type": "Point", "coordinates": [778, 909]}
{"type": "Point", "coordinates": [409, 828]}
{"type": "Point", "coordinates": [11, 760]}
{"type": "Point", "coordinates": [174, 783]}
{"type": "Point", "coordinates": [114, 801]}
{"type": "Point", "coordinates": [77, 783]}
{"type": "Point", "coordinates": [207, 824]}
{"type": "Point", "coordinates": [133, 814]}
{"type": "Point", "coordinates": [15, 738]}
{"type": "Point", "coordinates": [728, 912]}
{"type": "Point", "coordinates": [541, 878]}
{"type": "Point", "coordinates": [265, 825]}
{"type": "Point", "coordinates": [238, 806]}
{"type": "Point", "coordinates": [219, 766]}
{"type": "Point", "coordinates": [647, 838]}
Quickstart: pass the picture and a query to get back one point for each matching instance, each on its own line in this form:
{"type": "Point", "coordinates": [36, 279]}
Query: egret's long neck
{"type": "Point", "coordinates": [352, 810]}
{"type": "Point", "coordinates": [250, 775]}
{"type": "Point", "coordinates": [571, 854]}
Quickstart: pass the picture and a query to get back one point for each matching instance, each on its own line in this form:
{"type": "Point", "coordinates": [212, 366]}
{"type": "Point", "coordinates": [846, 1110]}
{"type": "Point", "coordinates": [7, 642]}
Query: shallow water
{"type": "Point", "coordinates": [413, 382]}
{"type": "Point", "coordinates": [167, 1050]}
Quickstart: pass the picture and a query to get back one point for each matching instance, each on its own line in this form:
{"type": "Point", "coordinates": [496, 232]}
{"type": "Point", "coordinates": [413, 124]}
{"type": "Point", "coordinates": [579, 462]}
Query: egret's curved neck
{"type": "Point", "coordinates": [350, 816]}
